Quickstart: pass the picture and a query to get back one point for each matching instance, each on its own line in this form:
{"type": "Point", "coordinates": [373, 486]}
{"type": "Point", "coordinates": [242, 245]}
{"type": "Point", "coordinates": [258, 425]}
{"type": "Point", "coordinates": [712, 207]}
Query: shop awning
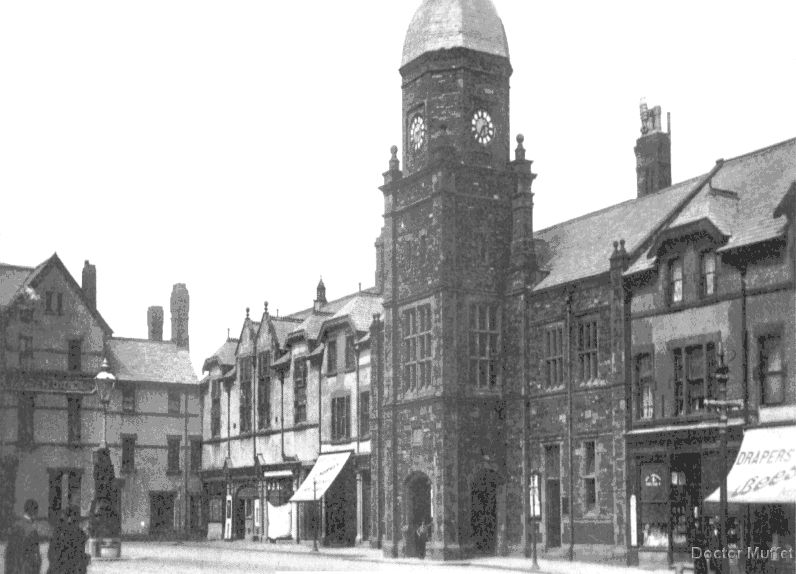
{"type": "Point", "coordinates": [277, 474]}
{"type": "Point", "coordinates": [765, 470]}
{"type": "Point", "coordinates": [321, 477]}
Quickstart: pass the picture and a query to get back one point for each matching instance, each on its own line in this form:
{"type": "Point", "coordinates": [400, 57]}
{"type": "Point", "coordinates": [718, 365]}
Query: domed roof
{"type": "Point", "coordinates": [444, 24]}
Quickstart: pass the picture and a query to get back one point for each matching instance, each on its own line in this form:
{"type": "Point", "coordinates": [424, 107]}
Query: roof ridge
{"type": "Point", "coordinates": [17, 267]}
{"type": "Point", "coordinates": [142, 340]}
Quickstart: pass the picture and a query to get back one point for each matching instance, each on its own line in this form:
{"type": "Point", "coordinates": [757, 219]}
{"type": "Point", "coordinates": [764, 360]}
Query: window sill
{"type": "Point", "coordinates": [173, 472]}
{"type": "Point", "coordinates": [127, 471]}
{"type": "Point", "coordinates": [340, 440]}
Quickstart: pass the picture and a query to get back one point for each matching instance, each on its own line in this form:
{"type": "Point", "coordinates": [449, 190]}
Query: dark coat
{"type": "Point", "coordinates": [67, 553]}
{"type": "Point", "coordinates": [22, 551]}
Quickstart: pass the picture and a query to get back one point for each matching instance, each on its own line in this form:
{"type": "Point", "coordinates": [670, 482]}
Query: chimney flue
{"type": "Point", "coordinates": [154, 321]}
{"type": "Point", "coordinates": [180, 304]}
{"type": "Point", "coordinates": [653, 152]}
{"type": "Point", "coordinates": [90, 283]}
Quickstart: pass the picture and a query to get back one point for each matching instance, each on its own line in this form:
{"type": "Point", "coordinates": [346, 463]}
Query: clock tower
{"type": "Point", "coordinates": [456, 221]}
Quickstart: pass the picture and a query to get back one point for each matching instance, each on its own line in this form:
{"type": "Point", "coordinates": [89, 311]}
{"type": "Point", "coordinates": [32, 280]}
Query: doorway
{"type": "Point", "coordinates": [161, 513]}
{"type": "Point", "coordinates": [418, 511]}
{"type": "Point", "coordinates": [553, 494]}
{"type": "Point", "coordinates": [483, 512]}
{"type": "Point", "coordinates": [239, 519]}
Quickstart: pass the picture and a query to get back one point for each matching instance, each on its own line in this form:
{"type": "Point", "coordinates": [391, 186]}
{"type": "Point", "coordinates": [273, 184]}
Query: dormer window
{"type": "Point", "coordinates": [707, 272]}
{"type": "Point", "coordinates": [675, 288]}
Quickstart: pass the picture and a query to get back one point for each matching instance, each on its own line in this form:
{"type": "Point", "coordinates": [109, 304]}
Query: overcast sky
{"type": "Point", "coordinates": [238, 146]}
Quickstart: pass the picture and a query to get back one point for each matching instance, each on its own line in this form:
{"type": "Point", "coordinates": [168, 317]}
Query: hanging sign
{"type": "Point", "coordinates": [535, 498]}
{"type": "Point", "coordinates": [228, 519]}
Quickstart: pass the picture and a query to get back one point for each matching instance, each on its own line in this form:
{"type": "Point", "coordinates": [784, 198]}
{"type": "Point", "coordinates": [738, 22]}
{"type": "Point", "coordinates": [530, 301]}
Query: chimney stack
{"type": "Point", "coordinates": [90, 283]}
{"type": "Point", "coordinates": [180, 304]}
{"type": "Point", "coordinates": [154, 321]}
{"type": "Point", "coordinates": [653, 152]}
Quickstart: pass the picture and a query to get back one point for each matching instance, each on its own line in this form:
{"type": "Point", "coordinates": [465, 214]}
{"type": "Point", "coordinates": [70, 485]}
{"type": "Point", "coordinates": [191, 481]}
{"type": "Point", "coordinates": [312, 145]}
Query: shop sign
{"type": "Point", "coordinates": [44, 383]}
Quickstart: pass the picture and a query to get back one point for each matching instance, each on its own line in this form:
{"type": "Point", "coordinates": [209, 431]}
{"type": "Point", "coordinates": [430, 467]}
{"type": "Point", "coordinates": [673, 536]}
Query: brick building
{"type": "Point", "coordinates": [506, 351]}
{"type": "Point", "coordinates": [52, 342]}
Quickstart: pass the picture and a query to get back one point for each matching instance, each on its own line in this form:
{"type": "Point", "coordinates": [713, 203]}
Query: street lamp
{"type": "Point", "coordinates": [535, 515]}
{"type": "Point", "coordinates": [317, 516]}
{"type": "Point", "coordinates": [723, 406]}
{"type": "Point", "coordinates": [105, 382]}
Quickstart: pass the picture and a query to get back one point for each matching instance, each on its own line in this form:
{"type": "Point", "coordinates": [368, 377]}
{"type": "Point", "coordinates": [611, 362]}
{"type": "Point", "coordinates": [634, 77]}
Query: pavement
{"type": "Point", "coordinates": [242, 556]}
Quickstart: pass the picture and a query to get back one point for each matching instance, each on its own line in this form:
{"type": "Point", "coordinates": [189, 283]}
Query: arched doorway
{"type": "Point", "coordinates": [483, 511]}
{"type": "Point", "coordinates": [417, 512]}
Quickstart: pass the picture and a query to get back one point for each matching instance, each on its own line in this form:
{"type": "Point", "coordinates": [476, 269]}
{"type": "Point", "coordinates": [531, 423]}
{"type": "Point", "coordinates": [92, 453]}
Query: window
{"type": "Point", "coordinates": [49, 302]}
{"type": "Point", "coordinates": [174, 402]}
{"type": "Point", "coordinates": [25, 406]}
{"type": "Point", "coordinates": [245, 404]}
{"type": "Point", "coordinates": [74, 406]}
{"type": "Point", "coordinates": [300, 390]}
{"type": "Point", "coordinates": [59, 308]}
{"type": "Point", "coordinates": [196, 455]}
{"type": "Point", "coordinates": [128, 399]}
{"type": "Point", "coordinates": [417, 347]}
{"type": "Point", "coordinates": [587, 349]}
{"type": "Point", "coordinates": [215, 408]}
{"type": "Point", "coordinates": [128, 453]}
{"type": "Point", "coordinates": [484, 345]}
{"type": "Point", "coordinates": [264, 392]}
{"type": "Point", "coordinates": [173, 456]}
{"type": "Point", "coordinates": [675, 289]}
{"type": "Point", "coordinates": [644, 386]}
{"type": "Point", "coordinates": [350, 353]}
{"type": "Point", "coordinates": [707, 274]}
{"type": "Point", "coordinates": [553, 339]}
{"type": "Point", "coordinates": [772, 370]}
{"type": "Point", "coordinates": [25, 352]}
{"type": "Point", "coordinates": [589, 476]}
{"type": "Point", "coordinates": [341, 418]}
{"type": "Point", "coordinates": [331, 357]}
{"type": "Point", "coordinates": [264, 365]}
{"type": "Point", "coordinates": [364, 414]}
{"type": "Point", "coordinates": [73, 359]}
{"type": "Point", "coordinates": [694, 377]}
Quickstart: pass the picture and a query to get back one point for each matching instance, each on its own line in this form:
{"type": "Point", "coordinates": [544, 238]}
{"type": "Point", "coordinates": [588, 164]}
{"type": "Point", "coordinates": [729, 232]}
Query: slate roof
{"type": "Point", "coordinates": [360, 310]}
{"type": "Point", "coordinates": [142, 360]}
{"type": "Point", "coordinates": [12, 279]}
{"type": "Point", "coordinates": [283, 328]}
{"type": "Point", "coordinates": [225, 355]}
{"type": "Point", "coordinates": [582, 247]}
{"type": "Point", "coordinates": [740, 199]}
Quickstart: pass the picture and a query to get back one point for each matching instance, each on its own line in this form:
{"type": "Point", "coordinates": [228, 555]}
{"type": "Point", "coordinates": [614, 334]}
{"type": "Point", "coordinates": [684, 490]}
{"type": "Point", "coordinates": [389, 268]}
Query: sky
{"type": "Point", "coordinates": [238, 147]}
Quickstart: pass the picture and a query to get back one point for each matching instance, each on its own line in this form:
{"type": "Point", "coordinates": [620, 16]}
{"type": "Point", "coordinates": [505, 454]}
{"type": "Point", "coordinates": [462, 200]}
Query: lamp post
{"type": "Point", "coordinates": [104, 382]}
{"type": "Point", "coordinates": [723, 406]}
{"type": "Point", "coordinates": [317, 516]}
{"type": "Point", "coordinates": [535, 514]}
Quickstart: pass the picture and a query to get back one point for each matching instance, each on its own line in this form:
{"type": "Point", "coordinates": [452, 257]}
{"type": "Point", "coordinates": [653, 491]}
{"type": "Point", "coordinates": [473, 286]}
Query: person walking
{"type": "Point", "coordinates": [22, 551]}
{"type": "Point", "coordinates": [67, 548]}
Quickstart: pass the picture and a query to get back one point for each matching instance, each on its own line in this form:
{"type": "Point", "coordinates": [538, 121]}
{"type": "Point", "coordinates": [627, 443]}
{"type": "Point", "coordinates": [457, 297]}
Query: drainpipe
{"type": "Point", "coordinates": [744, 347]}
{"type": "Point", "coordinates": [396, 368]}
{"type": "Point", "coordinates": [525, 392]}
{"type": "Point", "coordinates": [187, 465]}
{"type": "Point", "coordinates": [320, 407]}
{"type": "Point", "coordinates": [282, 411]}
{"type": "Point", "coordinates": [358, 405]}
{"type": "Point", "coordinates": [570, 453]}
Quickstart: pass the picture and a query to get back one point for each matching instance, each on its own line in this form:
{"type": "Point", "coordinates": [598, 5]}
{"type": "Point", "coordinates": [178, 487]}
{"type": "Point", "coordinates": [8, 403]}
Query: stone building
{"type": "Point", "coordinates": [287, 399]}
{"type": "Point", "coordinates": [53, 341]}
{"type": "Point", "coordinates": [506, 356]}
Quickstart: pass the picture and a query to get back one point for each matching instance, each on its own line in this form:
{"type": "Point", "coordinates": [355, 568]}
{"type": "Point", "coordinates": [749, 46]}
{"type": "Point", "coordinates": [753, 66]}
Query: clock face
{"type": "Point", "coordinates": [483, 128]}
{"type": "Point", "coordinates": [417, 132]}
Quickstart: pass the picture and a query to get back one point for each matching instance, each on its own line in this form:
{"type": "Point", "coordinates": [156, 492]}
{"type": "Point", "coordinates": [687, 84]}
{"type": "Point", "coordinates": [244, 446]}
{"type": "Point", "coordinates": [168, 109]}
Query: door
{"type": "Point", "coordinates": [161, 512]}
{"type": "Point", "coordinates": [483, 513]}
{"type": "Point", "coordinates": [239, 519]}
{"type": "Point", "coordinates": [553, 512]}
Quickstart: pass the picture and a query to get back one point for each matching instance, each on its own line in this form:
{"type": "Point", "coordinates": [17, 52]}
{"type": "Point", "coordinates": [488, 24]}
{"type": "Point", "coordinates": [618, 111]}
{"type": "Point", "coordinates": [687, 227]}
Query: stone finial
{"type": "Point", "coordinates": [622, 246]}
{"type": "Point", "coordinates": [320, 293]}
{"type": "Point", "coordinates": [265, 307]}
{"type": "Point", "coordinates": [395, 164]}
{"type": "Point", "coordinates": [519, 153]}
{"type": "Point", "coordinates": [247, 312]}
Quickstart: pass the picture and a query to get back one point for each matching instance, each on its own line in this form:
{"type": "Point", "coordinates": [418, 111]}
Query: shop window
{"type": "Point", "coordinates": [553, 338]}
{"type": "Point", "coordinates": [674, 291]}
{"type": "Point", "coordinates": [587, 349]}
{"type": "Point", "coordinates": [484, 345]}
{"type": "Point", "coordinates": [416, 326]}
{"type": "Point", "coordinates": [25, 352]}
{"type": "Point", "coordinates": [341, 418]}
{"type": "Point", "coordinates": [772, 370]}
{"type": "Point", "coordinates": [644, 386]}
{"type": "Point", "coordinates": [707, 274]}
{"type": "Point", "coordinates": [653, 507]}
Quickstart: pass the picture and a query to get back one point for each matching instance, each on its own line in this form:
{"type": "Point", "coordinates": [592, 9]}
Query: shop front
{"type": "Point", "coordinates": [761, 490]}
{"type": "Point", "coordinates": [670, 473]}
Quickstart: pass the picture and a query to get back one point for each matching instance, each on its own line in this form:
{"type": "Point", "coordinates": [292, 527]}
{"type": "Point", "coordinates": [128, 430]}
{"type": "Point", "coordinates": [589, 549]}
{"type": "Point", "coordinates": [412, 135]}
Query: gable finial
{"type": "Point", "coordinates": [247, 312]}
{"type": "Point", "coordinates": [519, 153]}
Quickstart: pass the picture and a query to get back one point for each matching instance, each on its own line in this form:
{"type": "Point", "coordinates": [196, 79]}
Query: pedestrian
{"type": "Point", "coordinates": [422, 535]}
{"type": "Point", "coordinates": [67, 552]}
{"type": "Point", "coordinates": [22, 551]}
